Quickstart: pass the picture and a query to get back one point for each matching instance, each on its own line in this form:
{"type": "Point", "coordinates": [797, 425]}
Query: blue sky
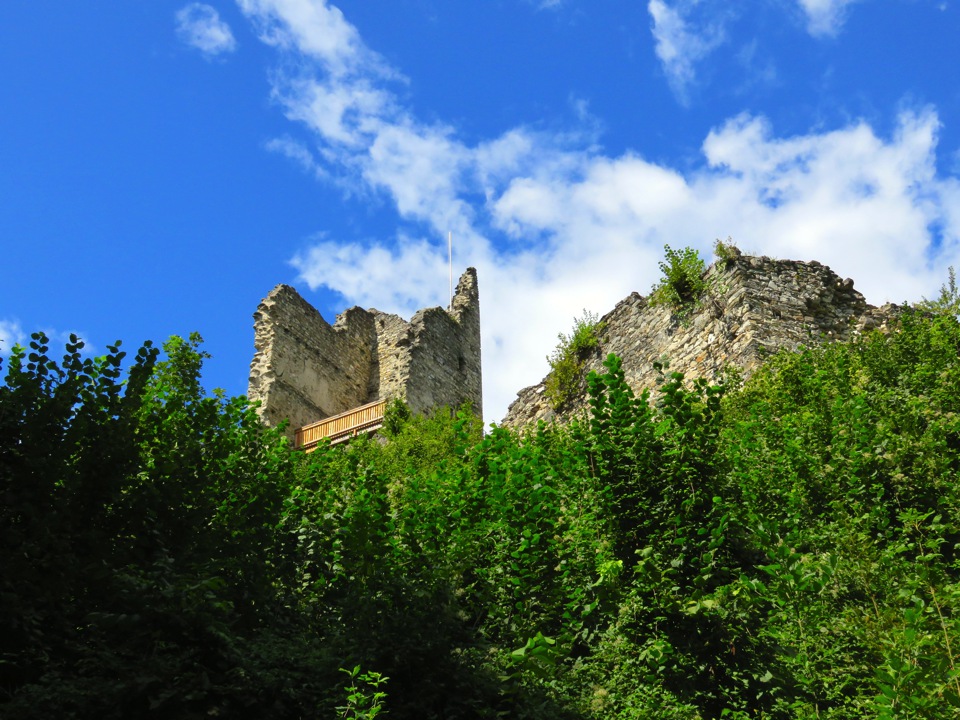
{"type": "Point", "coordinates": [163, 165]}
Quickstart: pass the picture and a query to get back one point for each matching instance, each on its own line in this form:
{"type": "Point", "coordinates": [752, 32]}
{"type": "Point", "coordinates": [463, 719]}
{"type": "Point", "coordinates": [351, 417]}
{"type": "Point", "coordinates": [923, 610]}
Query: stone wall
{"type": "Point", "coordinates": [305, 369]}
{"type": "Point", "coordinates": [754, 306]}
{"type": "Point", "coordinates": [445, 363]}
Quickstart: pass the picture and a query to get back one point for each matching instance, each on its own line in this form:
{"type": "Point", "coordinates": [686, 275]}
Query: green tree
{"type": "Point", "coordinates": [784, 549]}
{"type": "Point", "coordinates": [948, 300]}
{"type": "Point", "coordinates": [140, 554]}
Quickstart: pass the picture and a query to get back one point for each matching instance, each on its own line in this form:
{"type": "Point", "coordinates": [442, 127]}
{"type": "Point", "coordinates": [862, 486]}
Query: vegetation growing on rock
{"type": "Point", "coordinates": [682, 283]}
{"type": "Point", "coordinates": [566, 362]}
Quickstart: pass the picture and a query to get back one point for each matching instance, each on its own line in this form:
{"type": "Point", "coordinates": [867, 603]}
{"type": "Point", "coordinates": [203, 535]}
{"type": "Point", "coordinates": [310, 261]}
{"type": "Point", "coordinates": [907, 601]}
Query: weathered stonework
{"type": "Point", "coordinates": [305, 369]}
{"type": "Point", "coordinates": [755, 306]}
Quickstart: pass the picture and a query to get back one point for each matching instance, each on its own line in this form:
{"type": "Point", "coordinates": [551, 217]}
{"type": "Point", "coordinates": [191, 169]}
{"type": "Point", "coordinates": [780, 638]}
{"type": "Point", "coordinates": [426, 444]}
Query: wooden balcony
{"type": "Point", "coordinates": [340, 428]}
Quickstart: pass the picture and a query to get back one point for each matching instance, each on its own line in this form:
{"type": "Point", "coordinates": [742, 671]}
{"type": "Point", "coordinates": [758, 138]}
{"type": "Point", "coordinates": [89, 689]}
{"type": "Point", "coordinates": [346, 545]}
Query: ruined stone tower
{"type": "Point", "coordinates": [754, 307]}
{"type": "Point", "coordinates": [305, 369]}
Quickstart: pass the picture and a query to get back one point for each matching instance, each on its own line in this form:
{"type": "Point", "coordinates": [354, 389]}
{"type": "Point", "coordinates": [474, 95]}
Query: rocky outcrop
{"type": "Point", "coordinates": [305, 369]}
{"type": "Point", "coordinates": [754, 306]}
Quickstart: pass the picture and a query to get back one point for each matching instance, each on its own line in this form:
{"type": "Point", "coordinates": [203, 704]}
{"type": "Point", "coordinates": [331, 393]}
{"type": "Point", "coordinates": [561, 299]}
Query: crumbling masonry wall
{"type": "Point", "coordinates": [755, 306]}
{"type": "Point", "coordinates": [305, 369]}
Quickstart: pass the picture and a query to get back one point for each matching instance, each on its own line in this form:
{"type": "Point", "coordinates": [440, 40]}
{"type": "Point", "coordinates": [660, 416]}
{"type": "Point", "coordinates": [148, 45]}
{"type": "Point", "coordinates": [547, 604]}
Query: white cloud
{"type": "Point", "coordinates": [555, 226]}
{"type": "Point", "coordinates": [10, 334]}
{"type": "Point", "coordinates": [316, 29]}
{"type": "Point", "coordinates": [421, 168]}
{"type": "Point", "coordinates": [298, 152]}
{"type": "Point", "coordinates": [679, 44]}
{"type": "Point", "coordinates": [824, 17]}
{"type": "Point", "coordinates": [587, 231]}
{"type": "Point", "coordinates": [200, 26]}
{"type": "Point", "coordinates": [393, 279]}
{"type": "Point", "coordinates": [343, 112]}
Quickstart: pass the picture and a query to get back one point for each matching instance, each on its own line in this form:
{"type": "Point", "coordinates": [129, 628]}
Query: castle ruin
{"type": "Point", "coordinates": [753, 306]}
{"type": "Point", "coordinates": [306, 369]}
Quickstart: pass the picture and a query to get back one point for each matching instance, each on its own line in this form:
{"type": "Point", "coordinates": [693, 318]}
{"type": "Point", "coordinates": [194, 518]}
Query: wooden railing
{"type": "Point", "coordinates": [342, 427]}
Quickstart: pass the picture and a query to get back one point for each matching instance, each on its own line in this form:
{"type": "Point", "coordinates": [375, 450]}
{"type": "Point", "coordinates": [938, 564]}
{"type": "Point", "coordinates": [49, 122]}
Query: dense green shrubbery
{"type": "Point", "coordinates": [847, 458]}
{"type": "Point", "coordinates": [790, 549]}
{"type": "Point", "coordinates": [142, 572]}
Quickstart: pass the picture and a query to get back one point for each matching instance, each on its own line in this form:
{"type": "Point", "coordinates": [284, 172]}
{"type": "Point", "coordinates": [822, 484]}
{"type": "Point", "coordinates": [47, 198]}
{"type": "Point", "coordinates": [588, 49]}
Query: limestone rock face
{"type": "Point", "coordinates": [305, 369]}
{"type": "Point", "coordinates": [754, 306]}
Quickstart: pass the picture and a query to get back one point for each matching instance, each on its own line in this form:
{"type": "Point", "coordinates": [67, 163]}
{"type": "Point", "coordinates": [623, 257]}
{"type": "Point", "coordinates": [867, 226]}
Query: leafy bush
{"type": "Point", "coordinates": [948, 301]}
{"type": "Point", "coordinates": [566, 361]}
{"type": "Point", "coordinates": [363, 703]}
{"type": "Point", "coordinates": [395, 416]}
{"type": "Point", "coordinates": [142, 571]}
{"type": "Point", "coordinates": [787, 549]}
{"type": "Point", "coordinates": [682, 283]}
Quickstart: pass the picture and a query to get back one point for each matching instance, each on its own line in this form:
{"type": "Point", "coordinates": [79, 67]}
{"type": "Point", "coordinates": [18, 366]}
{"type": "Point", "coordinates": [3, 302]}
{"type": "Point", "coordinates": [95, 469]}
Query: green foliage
{"type": "Point", "coordinates": [363, 703]}
{"type": "Point", "coordinates": [139, 552]}
{"type": "Point", "coordinates": [395, 417]}
{"type": "Point", "coordinates": [860, 532]}
{"type": "Point", "coordinates": [725, 251]}
{"type": "Point", "coordinates": [682, 283]}
{"type": "Point", "coordinates": [788, 548]}
{"type": "Point", "coordinates": [566, 361]}
{"type": "Point", "coordinates": [948, 301]}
